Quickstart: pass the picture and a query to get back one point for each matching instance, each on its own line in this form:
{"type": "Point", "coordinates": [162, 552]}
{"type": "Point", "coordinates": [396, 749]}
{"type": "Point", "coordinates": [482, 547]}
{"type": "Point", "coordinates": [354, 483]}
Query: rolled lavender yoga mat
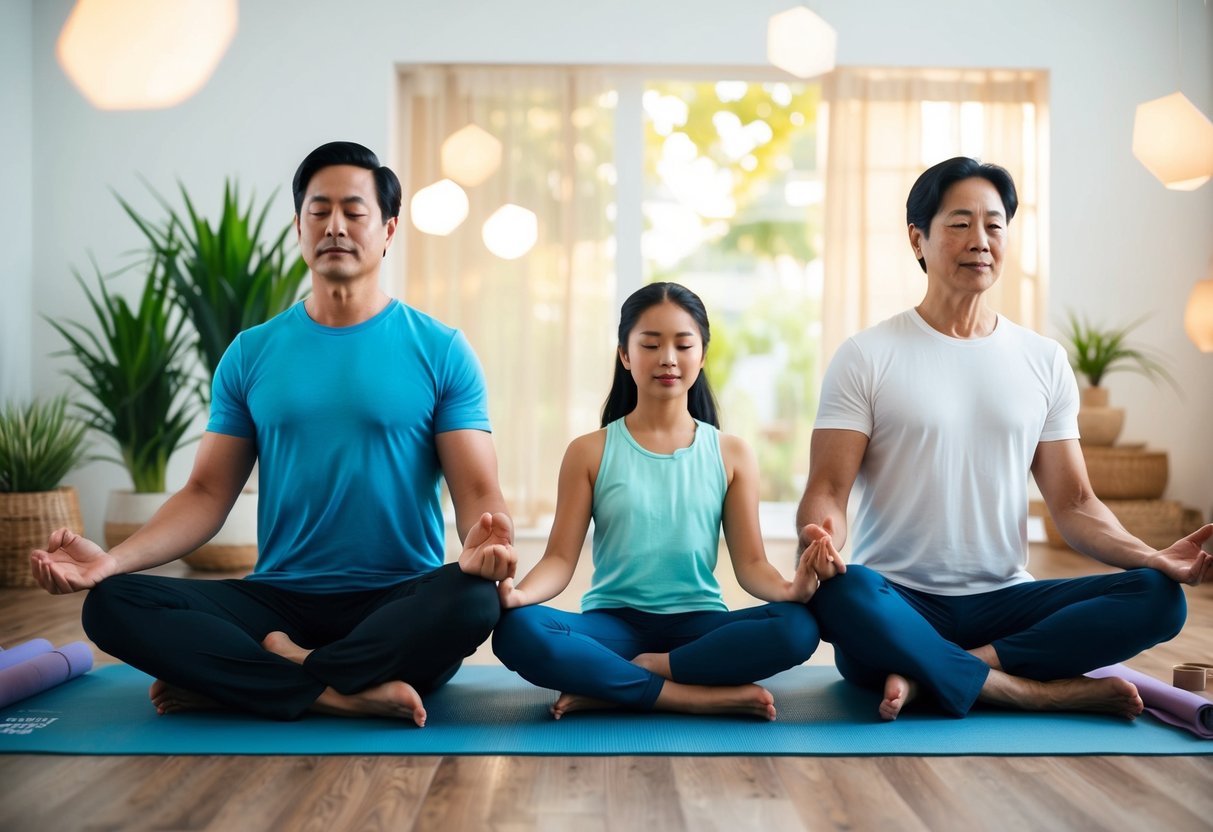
{"type": "Point", "coordinates": [44, 671]}
{"type": "Point", "coordinates": [1180, 708]}
{"type": "Point", "coordinates": [23, 651]}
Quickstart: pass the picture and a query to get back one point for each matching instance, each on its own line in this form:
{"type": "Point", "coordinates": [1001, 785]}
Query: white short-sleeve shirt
{"type": "Point", "coordinates": [952, 426]}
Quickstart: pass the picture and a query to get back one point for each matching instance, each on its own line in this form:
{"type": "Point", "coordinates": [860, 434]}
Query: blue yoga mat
{"type": "Point", "coordinates": [489, 710]}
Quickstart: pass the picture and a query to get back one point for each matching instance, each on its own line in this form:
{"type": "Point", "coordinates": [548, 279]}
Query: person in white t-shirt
{"type": "Point", "coordinates": [938, 415]}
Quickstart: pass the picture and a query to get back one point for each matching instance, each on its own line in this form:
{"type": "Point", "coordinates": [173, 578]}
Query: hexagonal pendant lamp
{"type": "Point", "coordinates": [1171, 137]}
{"type": "Point", "coordinates": [801, 43]}
{"type": "Point", "coordinates": [1174, 140]}
{"type": "Point", "coordinates": [144, 54]}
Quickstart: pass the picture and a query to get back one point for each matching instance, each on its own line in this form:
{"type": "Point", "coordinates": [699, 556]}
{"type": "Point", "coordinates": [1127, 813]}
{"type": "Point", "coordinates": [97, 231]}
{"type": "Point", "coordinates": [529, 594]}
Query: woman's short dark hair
{"type": "Point", "coordinates": [387, 186]}
{"type": "Point", "coordinates": [622, 399]}
{"type": "Point", "coordinates": [927, 193]}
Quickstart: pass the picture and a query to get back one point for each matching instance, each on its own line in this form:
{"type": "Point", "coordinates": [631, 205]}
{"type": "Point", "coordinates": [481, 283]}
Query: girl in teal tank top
{"type": "Point", "coordinates": [659, 481]}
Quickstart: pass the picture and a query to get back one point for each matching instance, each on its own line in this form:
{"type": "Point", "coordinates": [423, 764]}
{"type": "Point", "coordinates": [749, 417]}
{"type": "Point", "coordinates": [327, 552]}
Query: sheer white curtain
{"type": "Point", "coordinates": [542, 324]}
{"type": "Point", "coordinates": [885, 126]}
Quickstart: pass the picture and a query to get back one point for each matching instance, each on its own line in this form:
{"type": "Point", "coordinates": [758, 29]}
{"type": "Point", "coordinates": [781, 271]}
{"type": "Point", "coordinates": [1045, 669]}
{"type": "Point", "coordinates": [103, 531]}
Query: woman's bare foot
{"type": "Point", "coordinates": [169, 699]}
{"type": "Point", "coordinates": [898, 692]}
{"type": "Point", "coordinates": [392, 699]}
{"type": "Point", "coordinates": [570, 702]}
{"type": "Point", "coordinates": [280, 644]}
{"type": "Point", "coordinates": [658, 663]}
{"type": "Point", "coordinates": [1110, 695]}
{"type": "Point", "coordinates": [742, 700]}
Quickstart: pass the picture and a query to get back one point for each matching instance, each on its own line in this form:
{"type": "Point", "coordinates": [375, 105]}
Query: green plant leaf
{"type": "Point", "coordinates": [39, 445]}
{"type": "Point", "coordinates": [225, 276]}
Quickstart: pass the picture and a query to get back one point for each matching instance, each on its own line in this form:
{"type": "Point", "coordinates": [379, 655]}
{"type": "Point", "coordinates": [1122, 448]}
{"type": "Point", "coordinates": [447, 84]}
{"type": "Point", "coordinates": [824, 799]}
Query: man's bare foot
{"type": "Point", "coordinates": [570, 702]}
{"type": "Point", "coordinates": [898, 692]}
{"type": "Point", "coordinates": [392, 699]}
{"type": "Point", "coordinates": [169, 699]}
{"type": "Point", "coordinates": [742, 700]}
{"type": "Point", "coordinates": [1110, 695]}
{"type": "Point", "coordinates": [658, 663]}
{"type": "Point", "coordinates": [280, 644]}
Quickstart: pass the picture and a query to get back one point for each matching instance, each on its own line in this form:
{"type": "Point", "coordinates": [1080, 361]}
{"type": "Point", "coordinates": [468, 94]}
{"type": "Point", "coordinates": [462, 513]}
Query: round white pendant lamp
{"type": "Point", "coordinates": [144, 54]}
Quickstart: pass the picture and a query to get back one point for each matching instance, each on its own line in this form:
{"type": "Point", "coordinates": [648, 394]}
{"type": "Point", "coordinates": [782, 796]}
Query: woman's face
{"type": "Point", "coordinates": [964, 249]}
{"type": "Point", "coordinates": [664, 352]}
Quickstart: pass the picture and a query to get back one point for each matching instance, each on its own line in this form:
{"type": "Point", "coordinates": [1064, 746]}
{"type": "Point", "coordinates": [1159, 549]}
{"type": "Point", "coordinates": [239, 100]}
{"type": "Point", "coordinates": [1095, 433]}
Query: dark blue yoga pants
{"type": "Point", "coordinates": [589, 653]}
{"type": "Point", "coordinates": [1041, 630]}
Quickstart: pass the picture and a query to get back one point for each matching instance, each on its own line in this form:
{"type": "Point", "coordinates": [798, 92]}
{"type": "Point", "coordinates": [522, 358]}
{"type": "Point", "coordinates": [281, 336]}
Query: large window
{"type": "Point", "coordinates": [781, 204]}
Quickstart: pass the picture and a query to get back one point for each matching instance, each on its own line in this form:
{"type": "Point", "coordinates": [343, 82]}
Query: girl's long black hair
{"type": "Point", "coordinates": [622, 399]}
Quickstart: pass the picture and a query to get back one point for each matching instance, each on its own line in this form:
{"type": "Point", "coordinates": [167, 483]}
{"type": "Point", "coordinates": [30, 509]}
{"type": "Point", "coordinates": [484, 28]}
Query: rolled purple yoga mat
{"type": "Point", "coordinates": [23, 651]}
{"type": "Point", "coordinates": [1180, 708]}
{"type": "Point", "coordinates": [44, 671]}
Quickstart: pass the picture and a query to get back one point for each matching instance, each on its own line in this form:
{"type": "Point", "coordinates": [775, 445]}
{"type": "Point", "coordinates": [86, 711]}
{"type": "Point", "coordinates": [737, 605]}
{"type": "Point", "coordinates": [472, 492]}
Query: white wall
{"type": "Point", "coordinates": [16, 205]}
{"type": "Point", "coordinates": [303, 71]}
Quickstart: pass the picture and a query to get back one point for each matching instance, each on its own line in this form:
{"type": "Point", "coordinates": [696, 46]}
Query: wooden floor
{"type": "Point", "coordinates": [45, 793]}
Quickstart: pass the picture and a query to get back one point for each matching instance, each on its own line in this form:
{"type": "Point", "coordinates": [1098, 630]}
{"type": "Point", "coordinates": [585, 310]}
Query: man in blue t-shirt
{"type": "Point", "coordinates": [355, 407]}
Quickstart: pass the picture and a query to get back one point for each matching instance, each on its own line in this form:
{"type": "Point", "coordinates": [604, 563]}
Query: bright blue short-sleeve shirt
{"type": "Point", "coordinates": [344, 420]}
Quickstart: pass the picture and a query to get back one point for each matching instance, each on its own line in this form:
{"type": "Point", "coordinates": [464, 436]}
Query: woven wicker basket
{"type": "Point", "coordinates": [26, 522]}
{"type": "Point", "coordinates": [1126, 473]}
{"type": "Point", "coordinates": [1159, 523]}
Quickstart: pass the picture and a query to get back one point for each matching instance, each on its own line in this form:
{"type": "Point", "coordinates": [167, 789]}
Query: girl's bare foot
{"type": "Point", "coordinates": [742, 700]}
{"type": "Point", "coordinates": [658, 663]}
{"type": "Point", "coordinates": [169, 699]}
{"type": "Point", "coordinates": [898, 692]}
{"type": "Point", "coordinates": [570, 702]}
{"type": "Point", "coordinates": [1110, 695]}
{"type": "Point", "coordinates": [395, 699]}
{"type": "Point", "coordinates": [280, 644]}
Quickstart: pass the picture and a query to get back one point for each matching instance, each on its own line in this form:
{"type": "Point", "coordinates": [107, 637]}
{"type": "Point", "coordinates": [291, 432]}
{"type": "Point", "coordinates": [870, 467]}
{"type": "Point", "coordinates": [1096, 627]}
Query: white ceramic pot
{"type": "Point", "coordinates": [126, 512]}
{"type": "Point", "coordinates": [232, 549]}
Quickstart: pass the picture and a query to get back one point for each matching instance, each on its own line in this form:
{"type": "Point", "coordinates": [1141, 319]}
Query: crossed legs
{"type": "Point", "coordinates": [1025, 646]}
{"type": "Point", "coordinates": [213, 642]}
{"type": "Point", "coordinates": [698, 662]}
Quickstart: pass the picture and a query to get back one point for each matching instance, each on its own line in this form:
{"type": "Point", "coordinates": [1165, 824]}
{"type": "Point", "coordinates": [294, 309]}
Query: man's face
{"type": "Point", "coordinates": [342, 235]}
{"type": "Point", "coordinates": [968, 234]}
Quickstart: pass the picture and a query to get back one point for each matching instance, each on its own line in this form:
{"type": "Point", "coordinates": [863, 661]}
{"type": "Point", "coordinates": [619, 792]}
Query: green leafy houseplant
{"type": "Point", "coordinates": [132, 366]}
{"type": "Point", "coordinates": [1097, 351]}
{"type": "Point", "coordinates": [225, 278]}
{"type": "Point", "coordinates": [39, 445]}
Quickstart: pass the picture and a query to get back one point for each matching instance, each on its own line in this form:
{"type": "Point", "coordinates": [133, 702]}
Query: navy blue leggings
{"type": "Point", "coordinates": [1041, 630]}
{"type": "Point", "coordinates": [205, 636]}
{"type": "Point", "coordinates": [589, 653]}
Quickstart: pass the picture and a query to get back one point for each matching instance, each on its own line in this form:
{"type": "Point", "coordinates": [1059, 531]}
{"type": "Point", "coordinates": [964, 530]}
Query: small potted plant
{"type": "Point", "coordinates": [140, 393]}
{"type": "Point", "coordinates": [39, 445]}
{"type": "Point", "coordinates": [1095, 352]}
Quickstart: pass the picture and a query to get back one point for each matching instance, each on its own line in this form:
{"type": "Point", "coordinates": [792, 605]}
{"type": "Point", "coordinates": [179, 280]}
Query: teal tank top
{"type": "Point", "coordinates": [657, 525]}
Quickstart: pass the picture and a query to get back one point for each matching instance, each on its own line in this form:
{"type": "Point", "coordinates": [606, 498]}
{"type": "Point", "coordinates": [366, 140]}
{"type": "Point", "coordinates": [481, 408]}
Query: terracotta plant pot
{"type": "Point", "coordinates": [1098, 424]}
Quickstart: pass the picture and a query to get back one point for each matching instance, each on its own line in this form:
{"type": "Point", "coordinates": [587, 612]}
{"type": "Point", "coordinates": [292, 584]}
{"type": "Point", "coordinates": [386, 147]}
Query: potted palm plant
{"type": "Point", "coordinates": [140, 392]}
{"type": "Point", "coordinates": [225, 278]}
{"type": "Point", "coordinates": [1096, 352]}
{"type": "Point", "coordinates": [39, 445]}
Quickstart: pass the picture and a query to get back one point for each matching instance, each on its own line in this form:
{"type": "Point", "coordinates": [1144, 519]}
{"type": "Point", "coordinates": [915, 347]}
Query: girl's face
{"type": "Point", "coordinates": [664, 352]}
